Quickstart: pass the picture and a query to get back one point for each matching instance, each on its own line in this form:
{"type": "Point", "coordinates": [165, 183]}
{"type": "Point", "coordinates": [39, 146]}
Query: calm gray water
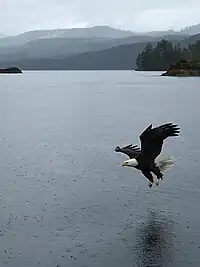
{"type": "Point", "coordinates": [65, 200]}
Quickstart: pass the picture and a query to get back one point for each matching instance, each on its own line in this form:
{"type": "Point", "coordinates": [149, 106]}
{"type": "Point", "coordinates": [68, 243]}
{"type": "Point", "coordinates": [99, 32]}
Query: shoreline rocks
{"type": "Point", "coordinates": [183, 68]}
{"type": "Point", "coordinates": [11, 70]}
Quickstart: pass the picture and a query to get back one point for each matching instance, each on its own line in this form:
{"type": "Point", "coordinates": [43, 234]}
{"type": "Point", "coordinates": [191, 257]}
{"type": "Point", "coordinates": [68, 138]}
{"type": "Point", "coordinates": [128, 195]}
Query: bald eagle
{"type": "Point", "coordinates": [144, 158]}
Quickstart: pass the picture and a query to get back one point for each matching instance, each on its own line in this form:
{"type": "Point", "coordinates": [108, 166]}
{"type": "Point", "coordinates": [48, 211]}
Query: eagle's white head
{"type": "Point", "coordinates": [130, 163]}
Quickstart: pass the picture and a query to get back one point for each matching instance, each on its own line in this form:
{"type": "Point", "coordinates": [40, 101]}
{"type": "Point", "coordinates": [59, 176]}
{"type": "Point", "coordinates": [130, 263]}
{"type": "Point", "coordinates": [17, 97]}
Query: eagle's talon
{"type": "Point", "coordinates": [150, 185]}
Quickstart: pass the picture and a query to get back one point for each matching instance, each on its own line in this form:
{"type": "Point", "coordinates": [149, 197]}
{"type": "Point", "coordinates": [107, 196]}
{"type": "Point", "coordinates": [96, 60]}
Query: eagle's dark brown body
{"type": "Point", "coordinates": [151, 140]}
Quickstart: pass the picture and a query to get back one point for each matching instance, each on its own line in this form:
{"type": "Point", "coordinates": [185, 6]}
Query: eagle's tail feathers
{"type": "Point", "coordinates": [165, 164]}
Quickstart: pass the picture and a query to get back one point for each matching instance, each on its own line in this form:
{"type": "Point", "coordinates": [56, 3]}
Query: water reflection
{"type": "Point", "coordinates": [154, 242]}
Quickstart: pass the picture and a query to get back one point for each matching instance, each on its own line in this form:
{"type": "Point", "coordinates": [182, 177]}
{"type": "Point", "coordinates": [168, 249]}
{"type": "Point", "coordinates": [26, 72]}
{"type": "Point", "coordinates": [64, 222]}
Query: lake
{"type": "Point", "coordinates": [65, 200]}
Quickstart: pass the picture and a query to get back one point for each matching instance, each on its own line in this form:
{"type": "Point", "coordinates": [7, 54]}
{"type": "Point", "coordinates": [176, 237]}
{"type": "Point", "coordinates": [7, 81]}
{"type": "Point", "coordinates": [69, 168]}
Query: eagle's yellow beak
{"type": "Point", "coordinates": [124, 164]}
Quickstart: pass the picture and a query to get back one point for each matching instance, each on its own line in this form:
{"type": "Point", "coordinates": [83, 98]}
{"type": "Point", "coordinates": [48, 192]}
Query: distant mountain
{"type": "Point", "coordinates": [164, 33]}
{"type": "Point", "coordinates": [121, 57]}
{"type": "Point", "coordinates": [191, 30]}
{"type": "Point", "coordinates": [190, 40]}
{"type": "Point", "coordinates": [63, 47]}
{"type": "Point", "coordinates": [83, 53]}
{"type": "Point", "coordinates": [104, 32]}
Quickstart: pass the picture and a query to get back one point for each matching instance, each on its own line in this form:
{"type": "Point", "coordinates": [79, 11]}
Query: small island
{"type": "Point", "coordinates": [183, 68]}
{"type": "Point", "coordinates": [171, 58]}
{"type": "Point", "coordinates": [11, 70]}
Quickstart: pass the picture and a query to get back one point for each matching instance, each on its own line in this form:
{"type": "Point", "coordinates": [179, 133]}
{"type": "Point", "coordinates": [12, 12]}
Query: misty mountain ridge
{"type": "Point", "coordinates": [81, 47]}
{"type": "Point", "coordinates": [105, 32]}
{"type": "Point", "coordinates": [120, 57]}
{"type": "Point", "coordinates": [190, 30]}
{"type": "Point", "coordinates": [62, 47]}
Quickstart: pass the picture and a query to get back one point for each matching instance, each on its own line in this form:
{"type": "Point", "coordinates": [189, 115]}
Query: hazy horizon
{"type": "Point", "coordinates": [90, 26]}
{"type": "Point", "coordinates": [143, 16]}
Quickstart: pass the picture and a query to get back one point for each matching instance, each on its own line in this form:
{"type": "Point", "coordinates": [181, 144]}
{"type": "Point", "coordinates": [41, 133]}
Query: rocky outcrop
{"type": "Point", "coordinates": [11, 70]}
{"type": "Point", "coordinates": [183, 68]}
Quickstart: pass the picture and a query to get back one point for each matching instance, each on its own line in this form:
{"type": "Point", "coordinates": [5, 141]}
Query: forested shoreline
{"type": "Point", "coordinates": [164, 53]}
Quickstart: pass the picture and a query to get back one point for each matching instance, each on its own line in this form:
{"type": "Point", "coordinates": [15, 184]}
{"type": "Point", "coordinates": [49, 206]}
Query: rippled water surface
{"type": "Point", "coordinates": [65, 200]}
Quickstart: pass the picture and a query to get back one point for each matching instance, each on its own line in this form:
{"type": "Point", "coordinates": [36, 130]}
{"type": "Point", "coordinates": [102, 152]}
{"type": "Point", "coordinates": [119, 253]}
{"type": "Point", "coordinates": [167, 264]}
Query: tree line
{"type": "Point", "coordinates": [160, 56]}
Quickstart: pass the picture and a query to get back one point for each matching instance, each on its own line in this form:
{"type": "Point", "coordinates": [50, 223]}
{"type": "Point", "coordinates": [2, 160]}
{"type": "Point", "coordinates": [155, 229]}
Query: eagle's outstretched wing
{"type": "Point", "coordinates": [130, 150]}
{"type": "Point", "coordinates": [152, 140]}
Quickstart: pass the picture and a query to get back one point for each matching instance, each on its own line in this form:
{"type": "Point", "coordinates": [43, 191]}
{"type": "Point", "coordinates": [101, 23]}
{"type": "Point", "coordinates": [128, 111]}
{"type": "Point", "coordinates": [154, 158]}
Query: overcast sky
{"type": "Point", "coordinates": [137, 15]}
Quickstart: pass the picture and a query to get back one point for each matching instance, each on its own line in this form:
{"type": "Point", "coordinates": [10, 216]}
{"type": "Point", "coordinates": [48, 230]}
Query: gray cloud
{"type": "Point", "coordinates": [22, 15]}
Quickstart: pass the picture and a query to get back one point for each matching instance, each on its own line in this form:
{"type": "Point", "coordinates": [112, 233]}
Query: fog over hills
{"type": "Point", "coordinates": [104, 32]}
{"type": "Point", "coordinates": [91, 32]}
{"type": "Point", "coordinates": [79, 48]}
